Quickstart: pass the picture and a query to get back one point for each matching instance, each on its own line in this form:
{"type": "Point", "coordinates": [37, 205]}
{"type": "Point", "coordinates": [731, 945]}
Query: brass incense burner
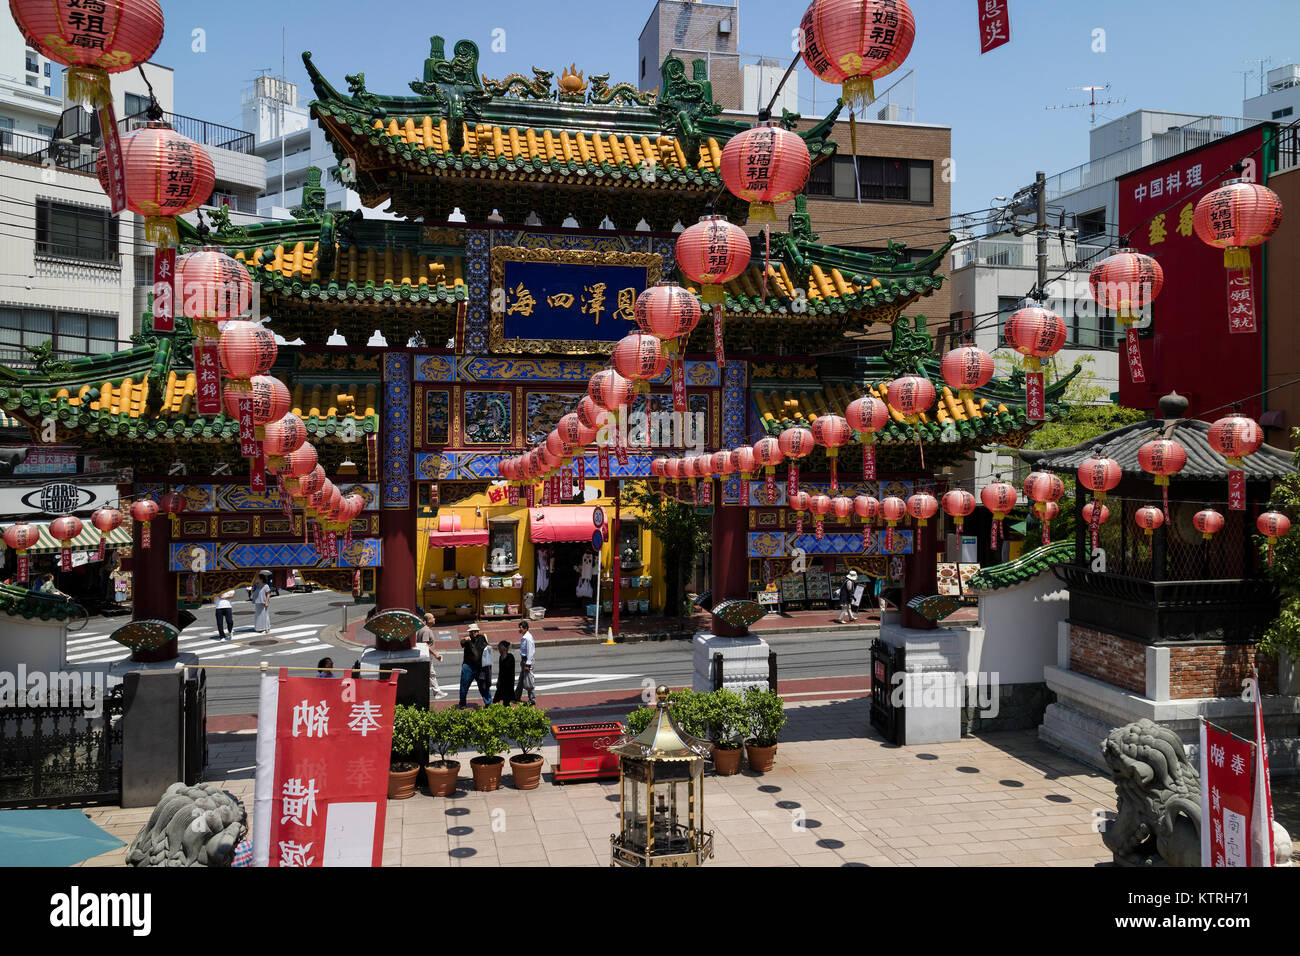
{"type": "Point", "coordinates": [661, 795]}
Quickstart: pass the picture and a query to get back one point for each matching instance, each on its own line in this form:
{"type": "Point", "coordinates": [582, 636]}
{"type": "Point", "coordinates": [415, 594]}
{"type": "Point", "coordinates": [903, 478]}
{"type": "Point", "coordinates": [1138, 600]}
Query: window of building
{"type": "Point", "coordinates": [143, 267]}
{"type": "Point", "coordinates": [1278, 114]}
{"type": "Point", "coordinates": [6, 131]}
{"type": "Point", "coordinates": [47, 70]}
{"type": "Point", "coordinates": [136, 104]}
{"type": "Point", "coordinates": [73, 333]}
{"type": "Point", "coordinates": [33, 65]}
{"type": "Point", "coordinates": [821, 181]}
{"type": "Point", "coordinates": [1091, 223]}
{"type": "Point", "coordinates": [960, 325]}
{"type": "Point", "coordinates": [629, 545]}
{"type": "Point", "coordinates": [1006, 305]}
{"type": "Point", "coordinates": [503, 537]}
{"type": "Point", "coordinates": [879, 179]}
{"type": "Point", "coordinates": [1088, 325]}
{"type": "Point", "coordinates": [32, 81]}
{"type": "Point", "coordinates": [46, 131]}
{"type": "Point", "coordinates": [75, 232]}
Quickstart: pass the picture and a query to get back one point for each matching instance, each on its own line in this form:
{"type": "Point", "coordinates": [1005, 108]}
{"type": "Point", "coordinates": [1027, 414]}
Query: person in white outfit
{"type": "Point", "coordinates": [262, 603]}
{"type": "Point", "coordinates": [527, 656]}
{"type": "Point", "coordinates": [225, 616]}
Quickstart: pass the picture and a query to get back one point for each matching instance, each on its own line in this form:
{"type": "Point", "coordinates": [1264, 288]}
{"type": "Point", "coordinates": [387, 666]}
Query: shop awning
{"type": "Point", "coordinates": [449, 534]}
{"type": "Point", "coordinates": [562, 523]}
{"type": "Point", "coordinates": [88, 540]}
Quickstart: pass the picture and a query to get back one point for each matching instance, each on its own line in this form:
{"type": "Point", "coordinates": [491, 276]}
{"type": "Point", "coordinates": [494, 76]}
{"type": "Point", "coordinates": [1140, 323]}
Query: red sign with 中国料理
{"type": "Point", "coordinates": [323, 748]}
{"type": "Point", "coordinates": [1199, 340]}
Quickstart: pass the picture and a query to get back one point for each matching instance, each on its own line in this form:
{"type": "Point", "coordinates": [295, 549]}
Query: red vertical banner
{"type": "Point", "coordinates": [792, 482]}
{"type": "Point", "coordinates": [706, 491]}
{"type": "Point", "coordinates": [798, 522]}
{"type": "Point", "coordinates": [602, 457]}
{"type": "Point", "coordinates": [566, 483]}
{"type": "Point", "coordinates": [1035, 398]}
{"type": "Point", "coordinates": [1236, 489]}
{"type": "Point", "coordinates": [65, 559]}
{"type": "Point", "coordinates": [769, 486]}
{"type": "Point", "coordinates": [164, 290]}
{"type": "Point", "coordinates": [532, 495]}
{"type": "Point", "coordinates": [1094, 524]}
{"type": "Point", "coordinates": [995, 24]}
{"type": "Point", "coordinates": [581, 465]}
{"type": "Point", "coordinates": [144, 534]}
{"type": "Point", "coordinates": [1241, 302]}
{"type": "Point", "coordinates": [322, 770]}
{"type": "Point", "coordinates": [867, 540]}
{"type": "Point", "coordinates": [1227, 772]}
{"type": "Point", "coordinates": [1134, 353]}
{"type": "Point", "coordinates": [286, 502]}
{"type": "Point", "coordinates": [679, 383]}
{"type": "Point", "coordinates": [819, 525]}
{"type": "Point", "coordinates": [112, 157]}
{"type": "Point", "coordinates": [514, 494]}
{"type": "Point", "coordinates": [347, 537]}
{"type": "Point", "coordinates": [248, 444]}
{"type": "Point", "coordinates": [207, 375]}
{"type": "Point", "coordinates": [24, 562]}
{"type": "Point", "coordinates": [719, 352]}
{"type": "Point", "coordinates": [99, 552]}
{"type": "Point", "coordinates": [869, 462]}
{"type": "Point", "coordinates": [620, 450]}
{"type": "Point", "coordinates": [257, 471]}
{"type": "Point", "coordinates": [889, 539]}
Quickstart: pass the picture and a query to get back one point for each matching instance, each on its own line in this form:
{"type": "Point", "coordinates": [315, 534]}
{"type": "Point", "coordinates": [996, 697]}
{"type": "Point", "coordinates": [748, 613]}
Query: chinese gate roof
{"type": "Point", "coordinates": [469, 142]}
{"type": "Point", "coordinates": [1203, 462]}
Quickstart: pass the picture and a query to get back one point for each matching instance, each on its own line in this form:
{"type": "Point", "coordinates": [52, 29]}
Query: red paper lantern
{"type": "Point", "coordinates": [305, 486]}
{"type": "Point", "coordinates": [1035, 333]}
{"type": "Point", "coordinates": [1235, 217]}
{"type": "Point", "coordinates": [1089, 509]}
{"type": "Point", "coordinates": [1042, 486]}
{"type": "Point", "coordinates": [673, 468]}
{"type": "Point", "coordinates": [573, 433]}
{"type": "Point", "coordinates": [742, 460]}
{"type": "Point", "coordinates": [1208, 522]}
{"type": "Point", "coordinates": [866, 507]}
{"type": "Point", "coordinates": [639, 357]}
{"type": "Point", "coordinates": [1149, 518]}
{"type": "Point", "coordinates": [283, 438]}
{"type": "Point", "coordinates": [215, 287]}
{"type": "Point", "coordinates": [65, 529]}
{"type": "Point", "coordinates": [1162, 457]}
{"type": "Point", "coordinates": [796, 442]}
{"type": "Point", "coordinates": [966, 368]}
{"type": "Point", "coordinates": [319, 500]}
{"type": "Point", "coordinates": [801, 501]}
{"type": "Point", "coordinates": [172, 503]}
{"type": "Point", "coordinates": [657, 467]}
{"type": "Point", "coordinates": [922, 507]}
{"type": "Point", "coordinates": [106, 520]}
{"type": "Point", "coordinates": [765, 165]}
{"type": "Point", "coordinates": [841, 506]}
{"type": "Point", "coordinates": [854, 42]}
{"type": "Point", "coordinates": [556, 446]}
{"type": "Point", "coordinates": [1272, 525]}
{"type": "Point", "coordinates": [92, 40]}
{"type": "Point", "coordinates": [957, 504]}
{"type": "Point", "coordinates": [866, 416]}
{"type": "Point", "coordinates": [911, 395]}
{"type": "Point", "coordinates": [712, 252]}
{"type": "Point", "coordinates": [1234, 437]}
{"type": "Point", "coordinates": [167, 175]}
{"type": "Point", "coordinates": [830, 432]}
{"type": "Point", "coordinates": [892, 509]}
{"type": "Point", "coordinates": [1099, 474]}
{"type": "Point", "coordinates": [22, 536]}
{"type": "Point", "coordinates": [144, 510]}
{"type": "Point", "coordinates": [999, 497]}
{"type": "Point", "coordinates": [610, 390]}
{"type": "Point", "coordinates": [299, 462]}
{"type": "Point", "coordinates": [591, 414]}
{"type": "Point", "coordinates": [720, 463]}
{"type": "Point", "coordinates": [1127, 282]}
{"type": "Point", "coordinates": [269, 396]}
{"type": "Point", "coordinates": [246, 349]}
{"type": "Point", "coordinates": [767, 453]}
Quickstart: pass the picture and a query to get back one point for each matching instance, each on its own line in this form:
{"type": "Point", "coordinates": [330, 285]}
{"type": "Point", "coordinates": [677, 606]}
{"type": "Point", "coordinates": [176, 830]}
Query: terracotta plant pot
{"type": "Point", "coordinates": [401, 780]}
{"type": "Point", "coordinates": [442, 779]}
{"type": "Point", "coordinates": [726, 763]}
{"type": "Point", "coordinates": [527, 771]}
{"type": "Point", "coordinates": [487, 772]}
{"type": "Point", "coordinates": [760, 759]}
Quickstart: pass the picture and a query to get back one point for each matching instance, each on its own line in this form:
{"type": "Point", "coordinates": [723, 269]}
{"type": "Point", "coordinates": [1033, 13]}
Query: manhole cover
{"type": "Point", "coordinates": [262, 642]}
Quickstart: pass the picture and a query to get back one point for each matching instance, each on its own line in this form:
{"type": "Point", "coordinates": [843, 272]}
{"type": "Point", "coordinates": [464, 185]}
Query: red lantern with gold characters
{"type": "Point", "coordinates": [167, 175]}
{"type": "Point", "coordinates": [958, 504]}
{"type": "Point", "coordinates": [999, 498]}
{"type": "Point", "coordinates": [105, 521]}
{"type": "Point", "coordinates": [1036, 333]}
{"type": "Point", "coordinates": [866, 416]}
{"type": "Point", "coordinates": [795, 443]}
{"type": "Point", "coordinates": [712, 252]}
{"type": "Point", "coordinates": [1235, 217]}
{"type": "Point", "coordinates": [855, 42]}
{"type": "Point", "coordinates": [1235, 437]}
{"type": "Point", "coordinates": [22, 537]}
{"type": "Point", "coordinates": [767, 455]}
{"type": "Point", "coordinates": [64, 530]}
{"type": "Point", "coordinates": [799, 503]}
{"type": "Point", "coordinates": [92, 39]}
{"type": "Point", "coordinates": [1272, 525]}
{"type": "Point", "coordinates": [830, 432]}
{"type": "Point", "coordinates": [765, 165]}
{"type": "Point", "coordinates": [820, 506]}
{"type": "Point", "coordinates": [965, 369]}
{"type": "Point", "coordinates": [1162, 457]}
{"type": "Point", "coordinates": [892, 509]}
{"type": "Point", "coordinates": [1208, 522]}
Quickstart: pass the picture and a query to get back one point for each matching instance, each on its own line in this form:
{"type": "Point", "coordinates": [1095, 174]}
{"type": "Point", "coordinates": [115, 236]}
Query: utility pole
{"type": "Point", "coordinates": [1040, 197]}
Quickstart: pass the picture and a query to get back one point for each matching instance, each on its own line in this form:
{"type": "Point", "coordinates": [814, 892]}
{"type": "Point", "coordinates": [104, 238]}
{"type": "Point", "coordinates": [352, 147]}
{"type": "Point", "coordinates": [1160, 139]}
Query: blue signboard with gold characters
{"type": "Point", "coordinates": [565, 300]}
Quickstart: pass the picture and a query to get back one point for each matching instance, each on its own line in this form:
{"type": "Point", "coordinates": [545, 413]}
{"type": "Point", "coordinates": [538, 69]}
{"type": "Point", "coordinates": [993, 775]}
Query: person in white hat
{"type": "Point", "coordinates": [473, 643]}
{"type": "Point", "coordinates": [846, 597]}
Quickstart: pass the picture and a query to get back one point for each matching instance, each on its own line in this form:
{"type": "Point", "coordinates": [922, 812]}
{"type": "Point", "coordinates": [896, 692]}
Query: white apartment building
{"type": "Point", "coordinates": [1281, 103]}
{"type": "Point", "coordinates": [29, 103]}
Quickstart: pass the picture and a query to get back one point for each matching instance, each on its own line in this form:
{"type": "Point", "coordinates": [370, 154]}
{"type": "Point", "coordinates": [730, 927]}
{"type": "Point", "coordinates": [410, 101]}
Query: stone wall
{"type": "Point", "coordinates": [1115, 660]}
{"type": "Point", "coordinates": [1020, 707]}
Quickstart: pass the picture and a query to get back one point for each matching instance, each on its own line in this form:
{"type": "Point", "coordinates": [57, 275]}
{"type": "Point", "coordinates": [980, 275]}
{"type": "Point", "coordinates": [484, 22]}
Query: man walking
{"type": "Point", "coordinates": [527, 652]}
{"type": "Point", "coordinates": [425, 635]}
{"type": "Point", "coordinates": [225, 616]}
{"type": "Point", "coordinates": [473, 643]}
{"type": "Point", "coordinates": [846, 597]}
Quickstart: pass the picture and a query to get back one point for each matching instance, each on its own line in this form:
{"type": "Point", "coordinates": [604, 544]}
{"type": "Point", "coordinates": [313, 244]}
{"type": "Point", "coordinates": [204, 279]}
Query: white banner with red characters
{"type": "Point", "coordinates": [248, 444]}
{"type": "Point", "coordinates": [1241, 302]}
{"type": "Point", "coordinates": [869, 462]}
{"type": "Point", "coordinates": [107, 117]}
{"type": "Point", "coordinates": [1236, 489]}
{"type": "Point", "coordinates": [1035, 397]}
{"type": "Point", "coordinates": [207, 379]}
{"type": "Point", "coordinates": [581, 466]}
{"type": "Point", "coordinates": [164, 290]}
{"type": "Point", "coordinates": [321, 787]}
{"type": "Point", "coordinates": [1134, 353]}
{"type": "Point", "coordinates": [1227, 771]}
{"type": "Point", "coordinates": [995, 24]}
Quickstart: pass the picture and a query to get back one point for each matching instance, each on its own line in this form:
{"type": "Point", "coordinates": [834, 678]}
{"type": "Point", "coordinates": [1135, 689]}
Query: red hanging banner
{"type": "Point", "coordinates": [869, 462]}
{"type": "Point", "coordinates": [718, 351]}
{"type": "Point", "coordinates": [867, 540]}
{"type": "Point", "coordinates": [24, 563]}
{"type": "Point", "coordinates": [112, 157]}
{"type": "Point", "coordinates": [248, 444]}
{"type": "Point", "coordinates": [1227, 772]}
{"type": "Point", "coordinates": [207, 376]}
{"type": "Point", "coordinates": [347, 537]}
{"type": "Point", "coordinates": [819, 524]}
{"type": "Point", "coordinates": [164, 290]}
{"type": "Point", "coordinates": [581, 465]}
{"type": "Point", "coordinates": [1135, 370]}
{"type": "Point", "coordinates": [566, 483]}
{"type": "Point", "coordinates": [322, 770]}
{"type": "Point", "coordinates": [1035, 397]}
{"type": "Point", "coordinates": [514, 494]}
{"type": "Point", "coordinates": [1236, 490]}
{"type": "Point", "coordinates": [792, 484]}
{"type": "Point", "coordinates": [144, 534]}
{"type": "Point", "coordinates": [744, 492]}
{"type": "Point", "coordinates": [532, 495]}
{"type": "Point", "coordinates": [706, 492]}
{"type": "Point", "coordinates": [257, 471]}
{"type": "Point", "coordinates": [995, 24]}
{"type": "Point", "coordinates": [889, 539]}
{"type": "Point", "coordinates": [620, 450]}
{"type": "Point", "coordinates": [286, 502]}
{"type": "Point", "coordinates": [602, 458]}
{"type": "Point", "coordinates": [769, 486]}
{"type": "Point", "coordinates": [798, 522]}
{"type": "Point", "coordinates": [99, 552]}
{"type": "Point", "coordinates": [1241, 302]}
{"type": "Point", "coordinates": [1094, 523]}
{"type": "Point", "coordinates": [679, 383]}
{"type": "Point", "coordinates": [65, 559]}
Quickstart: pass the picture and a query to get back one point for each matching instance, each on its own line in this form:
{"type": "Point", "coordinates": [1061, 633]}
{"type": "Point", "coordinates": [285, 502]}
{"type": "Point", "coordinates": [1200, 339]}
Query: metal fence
{"type": "Point", "coordinates": [1176, 551]}
{"type": "Point", "coordinates": [57, 756]}
{"type": "Point", "coordinates": [201, 131]}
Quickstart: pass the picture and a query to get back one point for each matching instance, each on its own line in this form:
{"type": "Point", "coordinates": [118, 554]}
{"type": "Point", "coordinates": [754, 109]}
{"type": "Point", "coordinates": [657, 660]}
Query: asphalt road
{"type": "Point", "coordinates": [303, 625]}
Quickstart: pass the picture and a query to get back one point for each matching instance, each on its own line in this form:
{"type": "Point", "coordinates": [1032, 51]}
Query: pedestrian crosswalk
{"type": "Point", "coordinates": [293, 639]}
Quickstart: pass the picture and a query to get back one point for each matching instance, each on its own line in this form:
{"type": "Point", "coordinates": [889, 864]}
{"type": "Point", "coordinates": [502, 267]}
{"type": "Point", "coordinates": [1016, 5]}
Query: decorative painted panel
{"type": "Point", "coordinates": [475, 466]}
{"type": "Point", "coordinates": [488, 417]}
{"type": "Point", "coordinates": [433, 423]}
{"type": "Point", "coordinates": [779, 544]}
{"type": "Point", "coordinates": [240, 499]}
{"type": "Point", "coordinates": [236, 556]}
{"type": "Point", "coordinates": [543, 411]}
{"type": "Point", "coordinates": [236, 526]}
{"type": "Point", "coordinates": [396, 433]}
{"type": "Point", "coordinates": [757, 495]}
{"type": "Point", "coordinates": [477, 247]}
{"type": "Point", "coordinates": [435, 368]}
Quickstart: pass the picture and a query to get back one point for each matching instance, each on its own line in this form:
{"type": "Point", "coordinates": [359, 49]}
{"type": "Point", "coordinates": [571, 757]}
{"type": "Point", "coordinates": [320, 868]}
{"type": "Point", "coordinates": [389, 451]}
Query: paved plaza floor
{"type": "Point", "coordinates": [838, 796]}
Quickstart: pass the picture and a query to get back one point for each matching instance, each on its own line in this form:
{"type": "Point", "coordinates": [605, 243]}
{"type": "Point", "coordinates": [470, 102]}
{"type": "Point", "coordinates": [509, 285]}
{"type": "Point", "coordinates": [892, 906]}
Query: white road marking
{"type": "Point", "coordinates": [580, 679]}
{"type": "Point", "coordinates": [201, 644]}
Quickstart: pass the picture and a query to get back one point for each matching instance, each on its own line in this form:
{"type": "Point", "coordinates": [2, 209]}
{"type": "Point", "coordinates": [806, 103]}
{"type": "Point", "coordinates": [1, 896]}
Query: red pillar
{"type": "Point", "coordinates": [920, 575]}
{"type": "Point", "coordinates": [397, 535]}
{"type": "Point", "coordinates": [153, 584]}
{"type": "Point", "coordinates": [730, 577]}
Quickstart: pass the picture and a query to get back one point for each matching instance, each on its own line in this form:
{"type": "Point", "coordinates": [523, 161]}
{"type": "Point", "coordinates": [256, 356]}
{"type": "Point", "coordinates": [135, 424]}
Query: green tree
{"type": "Point", "coordinates": [682, 534]}
{"type": "Point", "coordinates": [1284, 633]}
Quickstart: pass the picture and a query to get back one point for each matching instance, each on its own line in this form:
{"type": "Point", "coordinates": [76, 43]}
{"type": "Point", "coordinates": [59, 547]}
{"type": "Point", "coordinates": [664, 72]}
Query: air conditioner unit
{"type": "Point", "coordinates": [724, 26]}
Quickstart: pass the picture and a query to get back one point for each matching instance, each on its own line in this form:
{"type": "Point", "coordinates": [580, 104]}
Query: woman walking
{"type": "Point", "coordinates": [262, 603]}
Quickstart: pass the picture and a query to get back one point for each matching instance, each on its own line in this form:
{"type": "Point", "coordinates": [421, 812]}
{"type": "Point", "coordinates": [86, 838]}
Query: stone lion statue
{"type": "Point", "coordinates": [1158, 819]}
{"type": "Point", "coordinates": [191, 826]}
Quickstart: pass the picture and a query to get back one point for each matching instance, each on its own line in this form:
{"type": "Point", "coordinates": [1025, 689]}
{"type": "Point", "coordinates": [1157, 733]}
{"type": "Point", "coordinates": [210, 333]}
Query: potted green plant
{"type": "Point", "coordinates": [489, 731]}
{"type": "Point", "coordinates": [528, 728]}
{"type": "Point", "coordinates": [408, 729]}
{"type": "Point", "coordinates": [446, 731]}
{"type": "Point", "coordinates": [638, 720]}
{"type": "Point", "coordinates": [724, 714]}
{"type": "Point", "coordinates": [766, 716]}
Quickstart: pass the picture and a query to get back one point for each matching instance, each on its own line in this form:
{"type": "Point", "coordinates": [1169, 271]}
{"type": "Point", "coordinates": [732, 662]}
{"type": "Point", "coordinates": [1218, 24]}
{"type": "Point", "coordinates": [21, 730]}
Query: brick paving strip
{"type": "Point", "coordinates": [838, 796]}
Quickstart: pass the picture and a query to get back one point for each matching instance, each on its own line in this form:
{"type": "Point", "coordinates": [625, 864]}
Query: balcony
{"type": "Point", "coordinates": [1016, 253]}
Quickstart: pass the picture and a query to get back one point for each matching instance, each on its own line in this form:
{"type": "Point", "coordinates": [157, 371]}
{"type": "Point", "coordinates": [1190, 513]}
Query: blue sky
{"type": "Point", "coordinates": [1163, 54]}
